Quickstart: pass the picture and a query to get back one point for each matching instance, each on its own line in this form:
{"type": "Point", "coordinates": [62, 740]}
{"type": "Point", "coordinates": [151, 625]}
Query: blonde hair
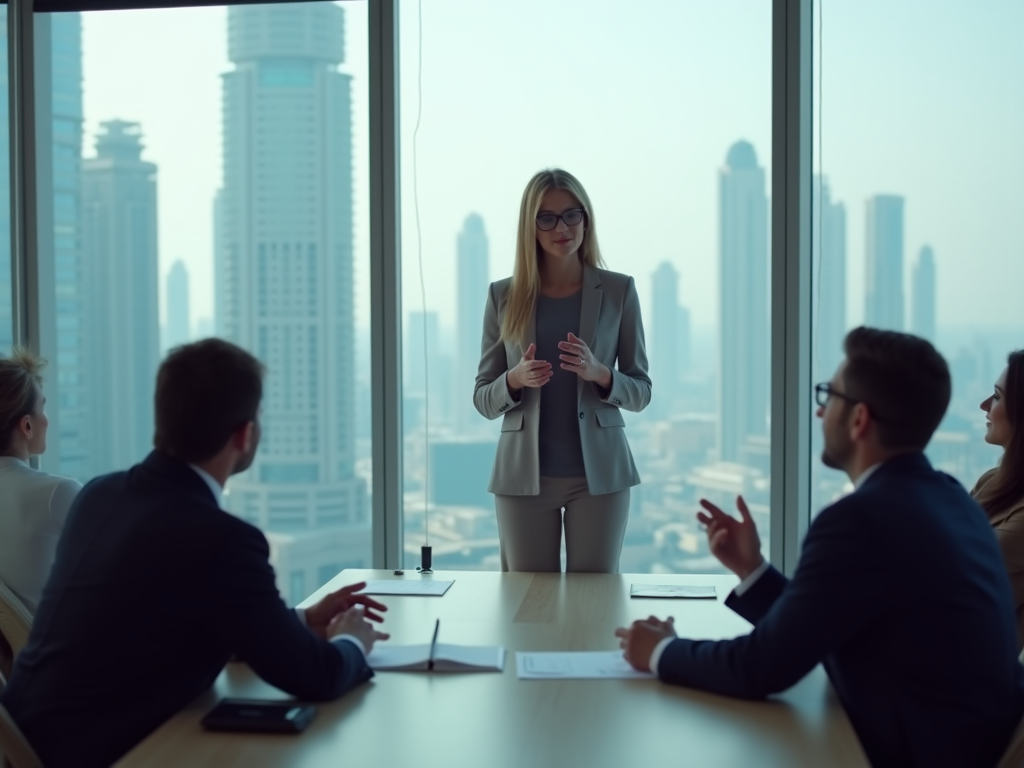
{"type": "Point", "coordinates": [522, 298]}
{"type": "Point", "coordinates": [20, 374]}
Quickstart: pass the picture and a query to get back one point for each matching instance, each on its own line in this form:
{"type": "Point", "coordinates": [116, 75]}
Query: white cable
{"type": "Point", "coordinates": [419, 261]}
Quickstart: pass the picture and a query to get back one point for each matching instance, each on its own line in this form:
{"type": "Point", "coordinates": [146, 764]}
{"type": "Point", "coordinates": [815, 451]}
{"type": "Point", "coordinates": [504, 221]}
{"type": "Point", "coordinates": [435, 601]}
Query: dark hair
{"type": "Point", "coordinates": [1007, 485]}
{"type": "Point", "coordinates": [20, 375]}
{"type": "Point", "coordinates": [903, 381]}
{"type": "Point", "coordinates": [204, 393]}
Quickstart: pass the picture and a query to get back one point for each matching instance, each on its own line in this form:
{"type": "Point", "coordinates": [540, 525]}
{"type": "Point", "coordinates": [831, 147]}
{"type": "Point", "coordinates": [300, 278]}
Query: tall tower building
{"type": "Point", "coordinates": [178, 327]}
{"type": "Point", "coordinates": [473, 276]}
{"type": "Point", "coordinates": [119, 253]}
{"type": "Point", "coordinates": [922, 322]}
{"type": "Point", "coordinates": [829, 287]}
{"type": "Point", "coordinates": [743, 381]}
{"type": "Point", "coordinates": [664, 333]}
{"type": "Point", "coordinates": [883, 285]}
{"type": "Point", "coordinates": [285, 279]}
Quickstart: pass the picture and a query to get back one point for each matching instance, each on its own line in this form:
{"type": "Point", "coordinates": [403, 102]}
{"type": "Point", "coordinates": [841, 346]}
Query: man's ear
{"type": "Point", "coordinates": [860, 422]}
{"type": "Point", "coordinates": [242, 439]}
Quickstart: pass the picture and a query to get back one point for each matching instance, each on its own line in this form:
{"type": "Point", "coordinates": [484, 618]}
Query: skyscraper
{"type": "Point", "coordinates": [883, 284]}
{"type": "Point", "coordinates": [474, 276]}
{"type": "Point", "coordinates": [178, 330]}
{"type": "Point", "coordinates": [922, 322]}
{"type": "Point", "coordinates": [74, 454]}
{"type": "Point", "coordinates": [119, 255]}
{"type": "Point", "coordinates": [285, 275]}
{"type": "Point", "coordinates": [829, 287]}
{"type": "Point", "coordinates": [743, 382]}
{"type": "Point", "coordinates": [664, 333]}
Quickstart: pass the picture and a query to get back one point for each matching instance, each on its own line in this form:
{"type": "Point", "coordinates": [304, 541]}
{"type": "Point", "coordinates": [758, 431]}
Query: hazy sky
{"type": "Point", "coordinates": [641, 101]}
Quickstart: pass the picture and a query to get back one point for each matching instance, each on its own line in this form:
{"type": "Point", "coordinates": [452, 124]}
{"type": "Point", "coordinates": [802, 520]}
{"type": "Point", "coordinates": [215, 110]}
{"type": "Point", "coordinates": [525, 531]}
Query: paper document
{"type": "Point", "coordinates": [421, 587]}
{"type": "Point", "coordinates": [447, 658]}
{"type": "Point", "coordinates": [672, 590]}
{"type": "Point", "coordinates": [576, 665]}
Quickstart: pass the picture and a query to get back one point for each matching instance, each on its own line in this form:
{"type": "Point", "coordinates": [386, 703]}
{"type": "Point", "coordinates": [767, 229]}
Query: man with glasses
{"type": "Point", "coordinates": [900, 589]}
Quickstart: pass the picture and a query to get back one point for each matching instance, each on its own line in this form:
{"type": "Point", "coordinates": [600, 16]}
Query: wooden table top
{"type": "Point", "coordinates": [492, 720]}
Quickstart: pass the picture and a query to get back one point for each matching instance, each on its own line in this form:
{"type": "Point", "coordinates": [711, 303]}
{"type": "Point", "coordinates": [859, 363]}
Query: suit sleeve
{"type": "Point", "coordinates": [249, 617]}
{"type": "Point", "coordinates": [830, 599]}
{"type": "Point", "coordinates": [631, 384]}
{"type": "Point", "coordinates": [491, 396]}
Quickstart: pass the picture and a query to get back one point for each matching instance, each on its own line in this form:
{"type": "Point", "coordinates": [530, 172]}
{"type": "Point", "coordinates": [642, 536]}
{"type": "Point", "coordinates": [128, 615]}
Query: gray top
{"type": "Point", "coordinates": [561, 451]}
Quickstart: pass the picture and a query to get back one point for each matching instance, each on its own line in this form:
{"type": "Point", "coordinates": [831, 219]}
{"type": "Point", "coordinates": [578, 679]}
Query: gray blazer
{"type": "Point", "coordinates": [611, 326]}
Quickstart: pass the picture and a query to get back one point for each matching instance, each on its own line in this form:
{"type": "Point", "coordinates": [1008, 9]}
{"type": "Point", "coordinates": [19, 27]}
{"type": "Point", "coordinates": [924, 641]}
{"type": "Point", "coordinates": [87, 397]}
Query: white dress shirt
{"type": "Point", "coordinates": [218, 494]}
{"type": "Point", "coordinates": [752, 578]}
{"type": "Point", "coordinates": [33, 508]}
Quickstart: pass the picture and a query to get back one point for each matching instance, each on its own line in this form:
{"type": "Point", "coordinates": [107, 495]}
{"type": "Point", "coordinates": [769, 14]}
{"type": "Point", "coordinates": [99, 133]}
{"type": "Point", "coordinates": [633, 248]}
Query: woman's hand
{"type": "Point", "coordinates": [529, 372]}
{"type": "Point", "coordinates": [581, 361]}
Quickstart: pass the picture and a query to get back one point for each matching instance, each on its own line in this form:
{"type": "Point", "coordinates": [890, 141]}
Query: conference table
{"type": "Point", "coordinates": [495, 720]}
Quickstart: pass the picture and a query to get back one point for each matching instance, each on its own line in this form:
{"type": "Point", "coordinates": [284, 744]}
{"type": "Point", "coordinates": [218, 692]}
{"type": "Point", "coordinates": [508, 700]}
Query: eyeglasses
{"type": "Point", "coordinates": [823, 391]}
{"type": "Point", "coordinates": [548, 221]}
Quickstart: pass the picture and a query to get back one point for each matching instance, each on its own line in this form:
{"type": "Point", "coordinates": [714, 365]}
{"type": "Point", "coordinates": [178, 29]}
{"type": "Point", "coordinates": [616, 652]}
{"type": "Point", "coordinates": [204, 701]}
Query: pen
{"type": "Point", "coordinates": [430, 659]}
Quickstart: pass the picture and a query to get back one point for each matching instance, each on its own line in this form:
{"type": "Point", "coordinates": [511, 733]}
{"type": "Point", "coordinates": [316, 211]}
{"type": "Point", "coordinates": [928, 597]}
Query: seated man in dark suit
{"type": "Point", "coordinates": [155, 587]}
{"type": "Point", "coordinates": [900, 589]}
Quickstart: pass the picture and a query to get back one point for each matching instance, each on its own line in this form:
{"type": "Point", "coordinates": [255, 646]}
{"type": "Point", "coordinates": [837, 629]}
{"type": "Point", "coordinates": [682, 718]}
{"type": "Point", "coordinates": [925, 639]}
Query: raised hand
{"type": "Point", "coordinates": [530, 372]}
{"type": "Point", "coordinates": [319, 616]}
{"type": "Point", "coordinates": [734, 542]}
{"type": "Point", "coordinates": [580, 360]}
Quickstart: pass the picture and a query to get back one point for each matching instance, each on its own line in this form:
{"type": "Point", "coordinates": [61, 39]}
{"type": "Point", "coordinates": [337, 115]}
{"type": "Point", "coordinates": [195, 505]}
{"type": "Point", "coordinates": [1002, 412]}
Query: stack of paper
{"type": "Point", "coordinates": [672, 590]}
{"type": "Point", "coordinates": [422, 587]}
{"type": "Point", "coordinates": [576, 665]}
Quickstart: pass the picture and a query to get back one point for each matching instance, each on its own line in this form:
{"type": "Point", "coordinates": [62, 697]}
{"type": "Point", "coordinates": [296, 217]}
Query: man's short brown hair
{"type": "Point", "coordinates": [205, 392]}
{"type": "Point", "coordinates": [903, 381]}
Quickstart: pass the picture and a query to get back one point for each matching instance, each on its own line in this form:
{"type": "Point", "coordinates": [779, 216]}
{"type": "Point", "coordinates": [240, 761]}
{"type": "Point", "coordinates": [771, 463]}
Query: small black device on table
{"type": "Point", "coordinates": [259, 716]}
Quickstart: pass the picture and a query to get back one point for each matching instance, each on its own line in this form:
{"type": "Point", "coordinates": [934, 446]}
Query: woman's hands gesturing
{"type": "Point", "coordinates": [529, 372]}
{"type": "Point", "coordinates": [581, 361]}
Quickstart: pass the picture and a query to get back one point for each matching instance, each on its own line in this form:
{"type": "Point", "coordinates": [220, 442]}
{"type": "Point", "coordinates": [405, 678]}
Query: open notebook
{"type": "Point", "coordinates": [437, 657]}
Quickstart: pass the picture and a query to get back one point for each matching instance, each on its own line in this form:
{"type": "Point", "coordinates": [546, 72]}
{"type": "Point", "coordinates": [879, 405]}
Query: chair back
{"type": "Point", "coordinates": [15, 620]}
{"type": "Point", "coordinates": [1013, 757]}
{"type": "Point", "coordinates": [13, 746]}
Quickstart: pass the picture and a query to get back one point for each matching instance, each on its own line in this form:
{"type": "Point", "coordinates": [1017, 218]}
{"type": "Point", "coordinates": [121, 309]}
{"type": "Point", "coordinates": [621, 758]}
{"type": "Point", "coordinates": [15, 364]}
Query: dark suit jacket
{"type": "Point", "coordinates": [901, 592]}
{"type": "Point", "coordinates": [153, 589]}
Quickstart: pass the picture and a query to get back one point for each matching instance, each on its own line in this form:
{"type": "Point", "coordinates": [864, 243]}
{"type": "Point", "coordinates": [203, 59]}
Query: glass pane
{"type": "Point", "coordinates": [919, 225]}
{"type": "Point", "coordinates": [6, 318]}
{"type": "Point", "coordinates": [220, 192]}
{"type": "Point", "coordinates": [665, 118]}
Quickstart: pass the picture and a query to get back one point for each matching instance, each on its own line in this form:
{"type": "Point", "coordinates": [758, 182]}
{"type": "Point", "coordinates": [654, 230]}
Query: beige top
{"type": "Point", "coordinates": [33, 507]}
{"type": "Point", "coordinates": [1009, 527]}
{"type": "Point", "coordinates": [611, 326]}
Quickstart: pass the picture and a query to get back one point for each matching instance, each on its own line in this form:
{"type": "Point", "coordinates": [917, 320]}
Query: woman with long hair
{"type": "Point", "coordinates": [563, 351]}
{"type": "Point", "coordinates": [33, 504]}
{"type": "Point", "coordinates": [1000, 491]}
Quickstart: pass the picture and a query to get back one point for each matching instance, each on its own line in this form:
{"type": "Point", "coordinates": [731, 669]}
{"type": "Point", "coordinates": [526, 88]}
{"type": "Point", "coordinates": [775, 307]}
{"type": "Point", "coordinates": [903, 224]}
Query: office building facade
{"type": "Point", "coordinates": [922, 318]}
{"type": "Point", "coordinates": [883, 283]}
{"type": "Point", "coordinates": [473, 270]}
{"type": "Point", "coordinates": [829, 323]}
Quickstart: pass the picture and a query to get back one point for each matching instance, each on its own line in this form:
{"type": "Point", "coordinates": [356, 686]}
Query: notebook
{"type": "Point", "coordinates": [436, 657]}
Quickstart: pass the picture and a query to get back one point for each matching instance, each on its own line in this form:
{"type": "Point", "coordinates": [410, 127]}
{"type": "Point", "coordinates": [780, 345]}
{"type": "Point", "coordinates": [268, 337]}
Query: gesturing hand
{"type": "Point", "coordinates": [734, 542]}
{"type": "Point", "coordinates": [320, 616]}
{"type": "Point", "coordinates": [529, 372]}
{"type": "Point", "coordinates": [352, 622]}
{"type": "Point", "coordinates": [581, 361]}
{"type": "Point", "coordinates": [639, 641]}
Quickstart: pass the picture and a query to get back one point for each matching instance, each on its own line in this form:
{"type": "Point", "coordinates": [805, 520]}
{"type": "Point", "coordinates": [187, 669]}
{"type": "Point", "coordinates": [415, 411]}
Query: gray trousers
{"type": "Point", "coordinates": [530, 528]}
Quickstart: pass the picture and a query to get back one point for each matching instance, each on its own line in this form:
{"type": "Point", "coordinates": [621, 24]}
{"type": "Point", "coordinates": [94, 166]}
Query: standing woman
{"type": "Point", "coordinates": [562, 353]}
{"type": "Point", "coordinates": [33, 504]}
{"type": "Point", "coordinates": [1000, 491]}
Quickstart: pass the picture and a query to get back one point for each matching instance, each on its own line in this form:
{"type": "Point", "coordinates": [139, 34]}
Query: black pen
{"type": "Point", "coordinates": [430, 659]}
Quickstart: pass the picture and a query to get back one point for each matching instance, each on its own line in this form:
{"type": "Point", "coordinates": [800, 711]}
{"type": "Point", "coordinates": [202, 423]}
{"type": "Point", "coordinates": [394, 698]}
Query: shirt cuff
{"type": "Point", "coordinates": [748, 582]}
{"type": "Point", "coordinates": [656, 653]}
{"type": "Point", "coordinates": [352, 639]}
{"type": "Point", "coordinates": [300, 614]}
